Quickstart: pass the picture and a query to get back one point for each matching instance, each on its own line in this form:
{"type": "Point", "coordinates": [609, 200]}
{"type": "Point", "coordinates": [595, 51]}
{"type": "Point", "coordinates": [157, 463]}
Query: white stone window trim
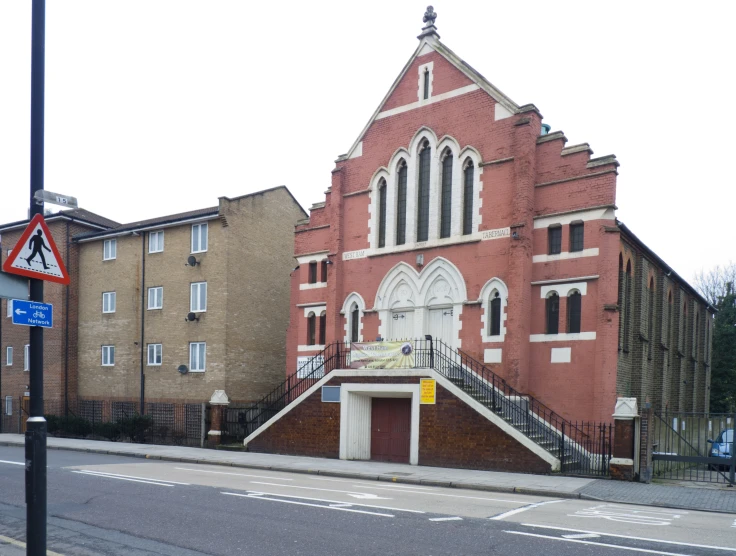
{"type": "Point", "coordinates": [427, 68]}
{"type": "Point", "coordinates": [108, 356]}
{"type": "Point", "coordinates": [314, 286]}
{"type": "Point", "coordinates": [27, 357]}
{"type": "Point", "coordinates": [347, 311]}
{"type": "Point", "coordinates": [493, 285]}
{"type": "Point", "coordinates": [562, 337]}
{"type": "Point", "coordinates": [109, 249]}
{"type": "Point", "coordinates": [155, 298]}
{"type": "Point", "coordinates": [109, 302]}
{"type": "Point", "coordinates": [195, 297]}
{"type": "Point", "coordinates": [9, 356]}
{"type": "Point", "coordinates": [564, 289]}
{"type": "Point", "coordinates": [565, 255]}
{"type": "Point", "coordinates": [156, 242]}
{"type": "Point", "coordinates": [155, 355]}
{"type": "Point", "coordinates": [202, 349]}
{"type": "Point", "coordinates": [202, 238]}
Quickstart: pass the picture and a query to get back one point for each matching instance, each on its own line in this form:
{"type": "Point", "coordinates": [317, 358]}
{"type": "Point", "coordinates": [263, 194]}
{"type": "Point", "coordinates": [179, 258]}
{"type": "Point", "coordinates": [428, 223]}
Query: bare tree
{"type": "Point", "coordinates": [716, 282]}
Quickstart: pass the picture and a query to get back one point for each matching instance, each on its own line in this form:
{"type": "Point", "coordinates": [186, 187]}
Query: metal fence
{"type": "Point", "coordinates": [163, 423]}
{"type": "Point", "coordinates": [693, 447]}
{"type": "Point", "coordinates": [587, 451]}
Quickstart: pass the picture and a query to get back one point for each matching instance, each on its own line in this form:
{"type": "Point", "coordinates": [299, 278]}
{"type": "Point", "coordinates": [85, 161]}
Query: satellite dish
{"type": "Point", "coordinates": [183, 369]}
{"type": "Point", "coordinates": [191, 317]}
{"type": "Point", "coordinates": [192, 260]}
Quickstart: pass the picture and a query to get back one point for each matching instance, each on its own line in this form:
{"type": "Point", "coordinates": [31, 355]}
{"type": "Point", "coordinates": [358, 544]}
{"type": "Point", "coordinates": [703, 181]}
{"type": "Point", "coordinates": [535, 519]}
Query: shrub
{"type": "Point", "coordinates": [136, 427]}
{"type": "Point", "coordinates": [110, 431]}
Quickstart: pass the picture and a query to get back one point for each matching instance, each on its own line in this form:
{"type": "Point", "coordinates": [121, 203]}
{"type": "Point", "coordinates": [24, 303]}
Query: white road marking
{"type": "Point", "coordinates": [306, 504]}
{"type": "Point", "coordinates": [582, 536]}
{"type": "Point", "coordinates": [368, 496]}
{"type": "Point", "coordinates": [449, 495]}
{"type": "Point", "coordinates": [629, 537]}
{"type": "Point", "coordinates": [504, 515]}
{"type": "Point", "coordinates": [12, 462]}
{"type": "Point", "coordinates": [627, 515]}
{"type": "Point", "coordinates": [646, 550]}
{"type": "Point", "coordinates": [350, 492]}
{"type": "Point", "coordinates": [234, 474]}
{"type": "Point", "coordinates": [734, 524]}
{"type": "Point", "coordinates": [337, 502]}
{"type": "Point", "coordinates": [392, 486]}
{"type": "Point", "coordinates": [132, 477]}
{"type": "Point", "coordinates": [445, 519]}
{"type": "Point", "coordinates": [341, 505]}
{"type": "Point", "coordinates": [122, 479]}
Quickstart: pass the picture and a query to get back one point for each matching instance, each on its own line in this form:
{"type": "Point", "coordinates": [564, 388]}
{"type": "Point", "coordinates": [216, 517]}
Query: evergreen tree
{"type": "Point", "coordinates": [723, 358]}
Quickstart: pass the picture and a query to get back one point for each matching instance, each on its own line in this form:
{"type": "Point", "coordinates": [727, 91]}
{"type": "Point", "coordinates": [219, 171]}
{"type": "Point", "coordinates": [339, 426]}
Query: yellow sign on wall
{"type": "Point", "coordinates": [427, 391]}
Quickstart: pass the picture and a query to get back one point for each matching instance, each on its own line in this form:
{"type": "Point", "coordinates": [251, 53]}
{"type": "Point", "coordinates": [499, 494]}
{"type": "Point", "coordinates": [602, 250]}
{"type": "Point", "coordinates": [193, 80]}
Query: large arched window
{"type": "Point", "coordinates": [495, 323]}
{"type": "Point", "coordinates": [446, 201]}
{"type": "Point", "coordinates": [650, 322]}
{"type": "Point", "coordinates": [401, 204]}
{"type": "Point", "coordinates": [322, 328]}
{"type": "Point", "coordinates": [621, 296]}
{"type": "Point", "coordinates": [354, 323]}
{"type": "Point", "coordinates": [670, 317]}
{"type": "Point", "coordinates": [469, 176]}
{"type": "Point", "coordinates": [425, 156]}
{"type": "Point", "coordinates": [382, 213]}
{"type": "Point", "coordinates": [553, 313]}
{"type": "Point", "coordinates": [574, 306]}
{"type": "Point", "coordinates": [627, 309]}
{"type": "Point", "coordinates": [311, 329]}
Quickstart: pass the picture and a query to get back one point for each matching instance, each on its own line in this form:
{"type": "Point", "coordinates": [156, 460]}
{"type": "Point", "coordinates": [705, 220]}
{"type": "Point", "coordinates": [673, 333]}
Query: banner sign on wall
{"type": "Point", "coordinates": [303, 368]}
{"type": "Point", "coordinates": [427, 391]}
{"type": "Point", "coordinates": [382, 355]}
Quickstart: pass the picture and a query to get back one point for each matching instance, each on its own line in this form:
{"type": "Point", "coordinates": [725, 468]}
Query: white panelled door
{"type": "Point", "coordinates": [402, 325]}
{"type": "Point", "coordinates": [440, 324]}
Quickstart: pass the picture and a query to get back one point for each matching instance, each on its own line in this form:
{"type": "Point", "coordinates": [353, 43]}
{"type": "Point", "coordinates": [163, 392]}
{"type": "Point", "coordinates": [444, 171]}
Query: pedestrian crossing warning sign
{"type": "Point", "coordinates": [36, 256]}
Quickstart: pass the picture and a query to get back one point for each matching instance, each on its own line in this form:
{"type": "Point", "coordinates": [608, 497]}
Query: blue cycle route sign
{"type": "Point", "coordinates": [33, 313]}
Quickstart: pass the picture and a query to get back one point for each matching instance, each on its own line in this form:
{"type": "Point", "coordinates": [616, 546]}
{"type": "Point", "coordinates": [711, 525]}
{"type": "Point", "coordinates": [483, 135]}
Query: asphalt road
{"type": "Point", "coordinates": [102, 504]}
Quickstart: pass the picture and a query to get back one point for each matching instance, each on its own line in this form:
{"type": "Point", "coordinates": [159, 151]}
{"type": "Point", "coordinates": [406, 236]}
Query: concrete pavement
{"type": "Point", "coordinates": [685, 497]}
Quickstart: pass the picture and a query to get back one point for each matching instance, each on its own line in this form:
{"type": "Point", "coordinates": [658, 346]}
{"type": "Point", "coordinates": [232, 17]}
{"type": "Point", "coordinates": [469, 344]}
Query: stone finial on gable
{"type": "Point", "coordinates": [626, 408]}
{"type": "Point", "coordinates": [219, 398]}
{"type": "Point", "coordinates": [429, 28]}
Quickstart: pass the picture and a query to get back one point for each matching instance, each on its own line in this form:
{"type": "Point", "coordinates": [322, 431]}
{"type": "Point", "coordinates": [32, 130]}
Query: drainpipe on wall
{"type": "Point", "coordinates": [66, 330]}
{"type": "Point", "coordinates": [143, 318]}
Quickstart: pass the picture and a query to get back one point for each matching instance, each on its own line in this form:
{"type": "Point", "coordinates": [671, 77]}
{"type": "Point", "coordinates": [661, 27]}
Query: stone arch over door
{"type": "Point", "coordinates": [430, 301]}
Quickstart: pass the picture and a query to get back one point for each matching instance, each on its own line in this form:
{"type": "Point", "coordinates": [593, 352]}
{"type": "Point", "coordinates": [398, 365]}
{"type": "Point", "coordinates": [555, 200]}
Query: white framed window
{"type": "Point", "coordinates": [108, 356]}
{"type": "Point", "coordinates": [108, 302]}
{"type": "Point", "coordinates": [10, 308]}
{"type": "Point", "coordinates": [198, 301]}
{"type": "Point", "coordinates": [109, 249]}
{"type": "Point", "coordinates": [8, 405]}
{"type": "Point", "coordinates": [9, 355]}
{"type": "Point", "coordinates": [156, 298]}
{"type": "Point", "coordinates": [197, 356]}
{"type": "Point", "coordinates": [156, 242]}
{"type": "Point", "coordinates": [154, 355]}
{"type": "Point", "coordinates": [26, 357]}
{"type": "Point", "coordinates": [199, 237]}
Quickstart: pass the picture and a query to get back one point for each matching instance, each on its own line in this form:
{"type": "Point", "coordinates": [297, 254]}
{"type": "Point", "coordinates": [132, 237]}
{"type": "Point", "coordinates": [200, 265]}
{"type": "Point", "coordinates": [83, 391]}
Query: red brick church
{"type": "Point", "coordinates": [457, 214]}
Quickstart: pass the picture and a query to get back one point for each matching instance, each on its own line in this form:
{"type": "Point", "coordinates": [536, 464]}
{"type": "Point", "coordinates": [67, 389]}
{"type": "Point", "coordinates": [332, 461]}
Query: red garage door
{"type": "Point", "coordinates": [390, 424]}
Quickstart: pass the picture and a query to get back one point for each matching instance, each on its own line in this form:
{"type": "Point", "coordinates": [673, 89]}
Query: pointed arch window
{"type": "Point", "coordinates": [650, 322]}
{"type": "Point", "coordinates": [670, 317]}
{"type": "Point", "coordinates": [553, 313]}
{"type": "Point", "coordinates": [627, 306]}
{"type": "Point", "coordinates": [322, 328]}
{"type": "Point", "coordinates": [469, 176]}
{"type": "Point", "coordinates": [446, 202]}
{"type": "Point", "coordinates": [426, 83]}
{"type": "Point", "coordinates": [495, 324]}
{"type": "Point", "coordinates": [425, 156]}
{"type": "Point", "coordinates": [401, 205]}
{"type": "Point", "coordinates": [311, 329]}
{"type": "Point", "coordinates": [574, 307]}
{"type": "Point", "coordinates": [382, 213]}
{"type": "Point", "coordinates": [354, 322]}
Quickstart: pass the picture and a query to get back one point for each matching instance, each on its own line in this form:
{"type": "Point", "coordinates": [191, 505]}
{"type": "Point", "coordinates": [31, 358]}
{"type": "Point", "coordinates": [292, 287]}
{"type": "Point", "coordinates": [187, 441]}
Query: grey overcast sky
{"type": "Point", "coordinates": [160, 106]}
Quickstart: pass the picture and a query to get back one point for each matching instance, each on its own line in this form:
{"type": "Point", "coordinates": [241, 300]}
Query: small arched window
{"type": "Point", "coordinates": [650, 322]}
{"type": "Point", "coordinates": [495, 324]}
{"type": "Point", "coordinates": [354, 323]}
{"type": "Point", "coordinates": [425, 156]}
{"type": "Point", "coordinates": [446, 203]}
{"type": "Point", "coordinates": [627, 304]}
{"type": "Point", "coordinates": [553, 313]}
{"type": "Point", "coordinates": [401, 205]}
{"type": "Point", "coordinates": [323, 269]}
{"type": "Point", "coordinates": [469, 176]}
{"type": "Point", "coordinates": [382, 213]}
{"type": "Point", "coordinates": [670, 317]}
{"type": "Point", "coordinates": [426, 83]}
{"type": "Point", "coordinates": [574, 306]}
{"type": "Point", "coordinates": [311, 329]}
{"type": "Point", "coordinates": [621, 296]}
{"type": "Point", "coordinates": [322, 328]}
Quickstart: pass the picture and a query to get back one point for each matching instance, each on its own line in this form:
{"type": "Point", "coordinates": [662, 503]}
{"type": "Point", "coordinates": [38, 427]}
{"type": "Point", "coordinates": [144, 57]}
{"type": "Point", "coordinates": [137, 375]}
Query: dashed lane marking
{"type": "Point", "coordinates": [12, 462]}
{"type": "Point", "coordinates": [233, 474]}
{"type": "Point", "coordinates": [645, 539]}
{"type": "Point", "coordinates": [307, 504]}
{"type": "Point", "coordinates": [504, 515]}
{"type": "Point", "coordinates": [145, 481]}
{"type": "Point", "coordinates": [336, 502]}
{"type": "Point", "coordinates": [445, 519]}
{"type": "Point", "coordinates": [604, 545]}
{"type": "Point", "coordinates": [430, 493]}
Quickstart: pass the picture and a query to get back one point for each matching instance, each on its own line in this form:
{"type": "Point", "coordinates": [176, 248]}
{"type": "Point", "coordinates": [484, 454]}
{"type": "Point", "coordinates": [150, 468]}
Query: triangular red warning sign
{"type": "Point", "coordinates": [36, 256]}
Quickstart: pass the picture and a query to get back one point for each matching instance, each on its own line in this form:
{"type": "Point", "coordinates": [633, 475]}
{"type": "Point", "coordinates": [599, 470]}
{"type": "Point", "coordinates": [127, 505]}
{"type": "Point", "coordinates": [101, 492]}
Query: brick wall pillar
{"type": "Point", "coordinates": [624, 446]}
{"type": "Point", "coordinates": [218, 402]}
